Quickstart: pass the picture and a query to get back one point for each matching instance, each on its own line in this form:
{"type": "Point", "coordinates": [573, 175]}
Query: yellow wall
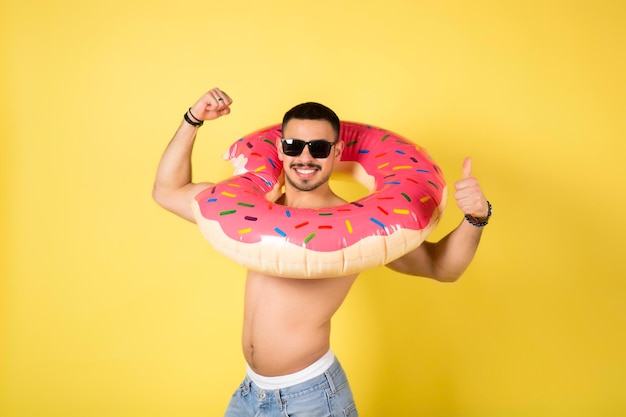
{"type": "Point", "coordinates": [109, 306]}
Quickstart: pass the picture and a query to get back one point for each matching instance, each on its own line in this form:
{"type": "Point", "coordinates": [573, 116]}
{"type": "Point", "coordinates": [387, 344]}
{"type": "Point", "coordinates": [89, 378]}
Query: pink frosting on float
{"type": "Point", "coordinates": [409, 193]}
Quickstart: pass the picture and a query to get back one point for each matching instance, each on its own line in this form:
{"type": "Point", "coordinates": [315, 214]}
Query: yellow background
{"type": "Point", "coordinates": [110, 306]}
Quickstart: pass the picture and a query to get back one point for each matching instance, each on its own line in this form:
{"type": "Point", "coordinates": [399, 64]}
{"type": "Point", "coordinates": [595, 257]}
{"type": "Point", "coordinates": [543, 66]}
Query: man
{"type": "Point", "coordinates": [286, 328]}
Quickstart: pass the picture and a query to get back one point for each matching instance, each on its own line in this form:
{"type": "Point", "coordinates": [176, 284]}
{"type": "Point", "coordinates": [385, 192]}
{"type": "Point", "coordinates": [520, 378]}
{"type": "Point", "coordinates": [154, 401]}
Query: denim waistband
{"type": "Point", "coordinates": [334, 378]}
{"type": "Point", "coordinates": [277, 382]}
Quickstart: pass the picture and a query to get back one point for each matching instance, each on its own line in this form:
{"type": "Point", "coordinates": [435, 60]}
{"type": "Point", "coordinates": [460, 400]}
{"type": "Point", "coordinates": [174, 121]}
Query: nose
{"type": "Point", "coordinates": [305, 155]}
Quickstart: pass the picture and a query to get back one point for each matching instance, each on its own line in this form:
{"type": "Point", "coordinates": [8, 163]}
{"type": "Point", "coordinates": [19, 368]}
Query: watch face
{"type": "Point", "coordinates": [477, 222]}
{"type": "Point", "coordinates": [480, 221]}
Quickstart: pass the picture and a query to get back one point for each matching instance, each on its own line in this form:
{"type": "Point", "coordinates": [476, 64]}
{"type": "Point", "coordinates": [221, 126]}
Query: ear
{"type": "Point", "coordinates": [279, 149]}
{"type": "Point", "coordinates": [339, 149]}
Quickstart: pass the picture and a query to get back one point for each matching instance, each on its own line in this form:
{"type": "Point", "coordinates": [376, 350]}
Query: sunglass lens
{"type": "Point", "coordinates": [320, 149]}
{"type": "Point", "coordinates": [293, 147]}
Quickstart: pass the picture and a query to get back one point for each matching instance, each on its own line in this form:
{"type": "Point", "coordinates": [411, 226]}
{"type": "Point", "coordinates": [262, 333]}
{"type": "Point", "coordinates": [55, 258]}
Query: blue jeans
{"type": "Point", "coordinates": [326, 395]}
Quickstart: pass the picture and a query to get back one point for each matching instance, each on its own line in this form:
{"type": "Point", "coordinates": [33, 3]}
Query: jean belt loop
{"type": "Point", "coordinates": [245, 389]}
{"type": "Point", "coordinates": [279, 399]}
{"type": "Point", "coordinates": [331, 383]}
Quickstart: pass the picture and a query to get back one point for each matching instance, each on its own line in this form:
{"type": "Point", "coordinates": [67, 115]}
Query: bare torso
{"type": "Point", "coordinates": [287, 321]}
{"type": "Point", "coordinates": [286, 325]}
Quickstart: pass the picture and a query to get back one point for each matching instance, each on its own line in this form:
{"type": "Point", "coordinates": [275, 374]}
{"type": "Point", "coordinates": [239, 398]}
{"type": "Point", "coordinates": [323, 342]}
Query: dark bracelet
{"type": "Point", "coordinates": [194, 117]}
{"type": "Point", "coordinates": [191, 122]}
{"type": "Point", "coordinates": [481, 221]}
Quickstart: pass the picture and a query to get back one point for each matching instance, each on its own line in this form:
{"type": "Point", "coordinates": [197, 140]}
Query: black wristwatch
{"type": "Point", "coordinates": [479, 221]}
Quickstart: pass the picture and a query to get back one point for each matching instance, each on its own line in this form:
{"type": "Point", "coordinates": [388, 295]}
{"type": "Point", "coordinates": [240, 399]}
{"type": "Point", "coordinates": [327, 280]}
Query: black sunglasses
{"type": "Point", "coordinates": [319, 149]}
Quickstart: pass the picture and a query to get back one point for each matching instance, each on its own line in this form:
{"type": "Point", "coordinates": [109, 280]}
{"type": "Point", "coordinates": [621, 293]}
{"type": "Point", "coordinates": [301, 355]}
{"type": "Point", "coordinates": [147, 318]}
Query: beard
{"type": "Point", "coordinates": [306, 184]}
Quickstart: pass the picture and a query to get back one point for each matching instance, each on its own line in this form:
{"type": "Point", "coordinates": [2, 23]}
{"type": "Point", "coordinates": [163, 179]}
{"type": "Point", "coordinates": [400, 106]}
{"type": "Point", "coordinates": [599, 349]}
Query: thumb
{"type": "Point", "coordinates": [467, 167]}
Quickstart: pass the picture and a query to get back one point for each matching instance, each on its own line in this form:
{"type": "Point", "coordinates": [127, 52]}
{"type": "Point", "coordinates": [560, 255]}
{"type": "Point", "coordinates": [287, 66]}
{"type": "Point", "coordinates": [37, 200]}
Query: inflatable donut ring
{"type": "Point", "coordinates": [240, 219]}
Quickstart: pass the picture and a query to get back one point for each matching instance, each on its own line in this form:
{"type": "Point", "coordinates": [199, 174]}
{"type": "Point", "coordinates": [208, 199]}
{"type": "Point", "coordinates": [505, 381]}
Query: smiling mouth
{"type": "Point", "coordinates": [305, 170]}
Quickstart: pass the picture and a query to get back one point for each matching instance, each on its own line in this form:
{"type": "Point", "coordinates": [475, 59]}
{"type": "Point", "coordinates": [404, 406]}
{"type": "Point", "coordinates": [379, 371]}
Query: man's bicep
{"type": "Point", "coordinates": [179, 201]}
{"type": "Point", "coordinates": [418, 262]}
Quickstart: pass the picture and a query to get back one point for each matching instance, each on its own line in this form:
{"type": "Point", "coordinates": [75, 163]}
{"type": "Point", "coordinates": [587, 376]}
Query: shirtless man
{"type": "Point", "coordinates": [286, 328]}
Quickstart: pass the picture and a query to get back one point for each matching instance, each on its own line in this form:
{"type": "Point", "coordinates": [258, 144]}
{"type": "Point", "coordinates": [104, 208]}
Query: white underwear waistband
{"type": "Point", "coordinates": [278, 382]}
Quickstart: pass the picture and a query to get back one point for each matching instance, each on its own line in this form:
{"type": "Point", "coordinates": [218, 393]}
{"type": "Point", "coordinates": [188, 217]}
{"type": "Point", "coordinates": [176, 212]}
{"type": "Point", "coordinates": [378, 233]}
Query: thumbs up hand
{"type": "Point", "coordinates": [469, 196]}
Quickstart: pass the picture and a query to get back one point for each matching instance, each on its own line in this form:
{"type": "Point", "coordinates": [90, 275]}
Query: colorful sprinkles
{"type": "Point", "coordinates": [395, 164]}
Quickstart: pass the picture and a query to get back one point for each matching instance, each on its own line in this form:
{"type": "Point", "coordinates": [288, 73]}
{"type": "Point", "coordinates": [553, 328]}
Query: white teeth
{"type": "Point", "coordinates": [305, 171]}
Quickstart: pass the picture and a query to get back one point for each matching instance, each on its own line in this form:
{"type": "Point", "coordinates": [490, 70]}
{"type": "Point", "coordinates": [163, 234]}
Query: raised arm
{"type": "Point", "coordinates": [173, 186]}
{"type": "Point", "coordinates": [447, 259]}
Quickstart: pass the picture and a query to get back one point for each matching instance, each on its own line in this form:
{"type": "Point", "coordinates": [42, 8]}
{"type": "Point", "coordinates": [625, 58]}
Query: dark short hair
{"type": "Point", "coordinates": [313, 111]}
